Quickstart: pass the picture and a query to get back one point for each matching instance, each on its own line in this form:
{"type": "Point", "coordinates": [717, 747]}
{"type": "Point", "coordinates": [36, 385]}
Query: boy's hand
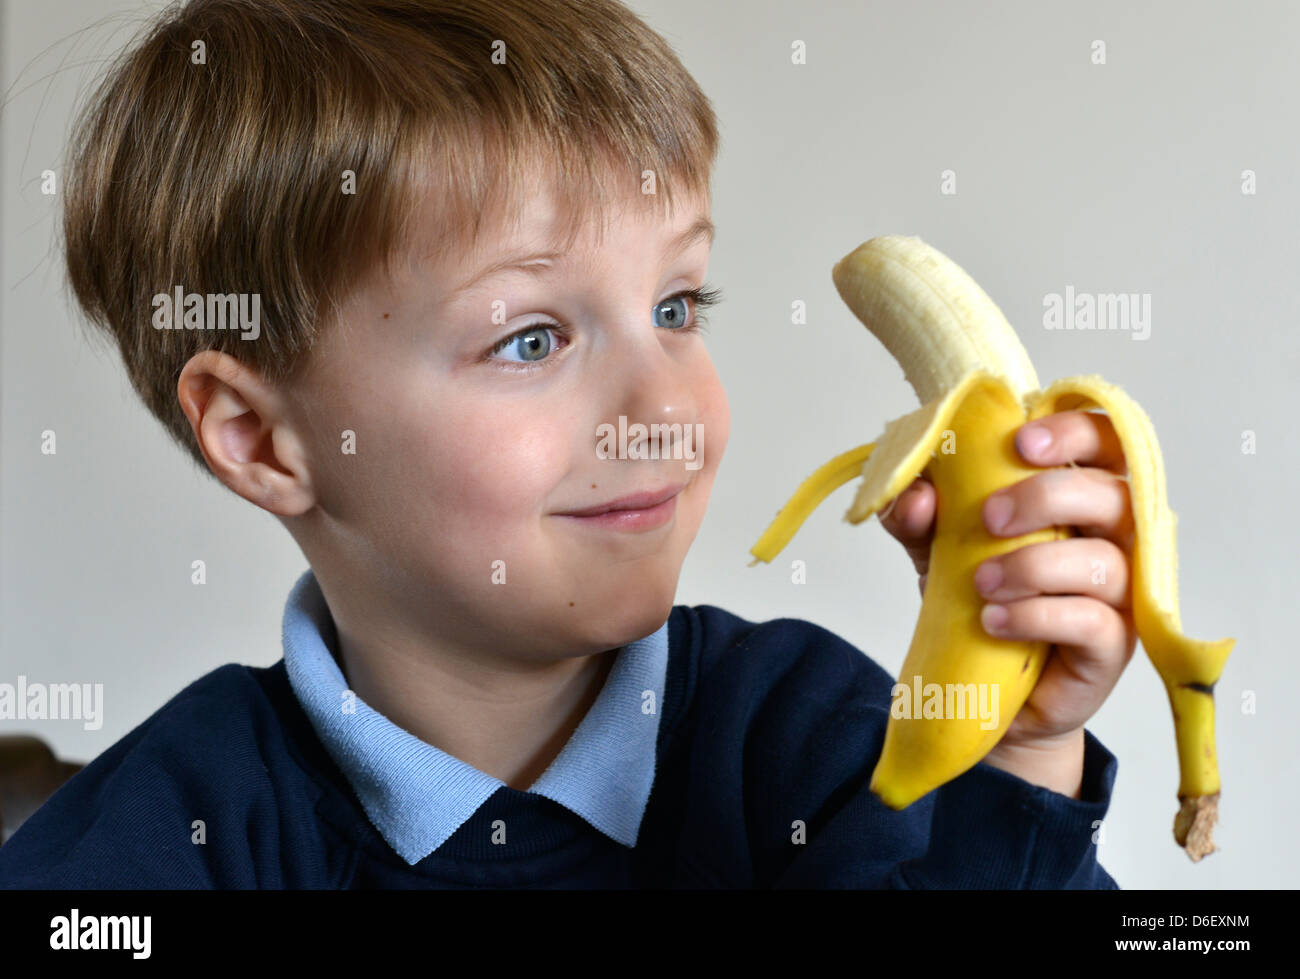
{"type": "Point", "coordinates": [1073, 593]}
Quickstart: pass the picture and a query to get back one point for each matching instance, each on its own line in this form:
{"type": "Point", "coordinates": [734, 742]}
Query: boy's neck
{"type": "Point", "coordinates": [510, 725]}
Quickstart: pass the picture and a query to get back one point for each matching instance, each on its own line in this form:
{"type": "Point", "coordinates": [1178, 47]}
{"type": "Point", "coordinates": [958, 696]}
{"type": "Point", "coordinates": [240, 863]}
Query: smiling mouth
{"type": "Point", "coordinates": [638, 513]}
{"type": "Point", "coordinates": [638, 502]}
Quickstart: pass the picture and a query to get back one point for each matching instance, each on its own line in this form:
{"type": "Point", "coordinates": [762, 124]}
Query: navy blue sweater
{"type": "Point", "coordinates": [766, 745]}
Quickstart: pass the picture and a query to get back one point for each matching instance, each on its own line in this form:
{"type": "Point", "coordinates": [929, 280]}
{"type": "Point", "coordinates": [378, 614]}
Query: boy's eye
{"type": "Point", "coordinates": [680, 313]}
{"type": "Point", "coordinates": [533, 343]}
{"type": "Point", "coordinates": [675, 311]}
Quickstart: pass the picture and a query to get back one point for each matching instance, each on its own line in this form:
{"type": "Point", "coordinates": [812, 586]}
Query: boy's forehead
{"type": "Point", "coordinates": [534, 231]}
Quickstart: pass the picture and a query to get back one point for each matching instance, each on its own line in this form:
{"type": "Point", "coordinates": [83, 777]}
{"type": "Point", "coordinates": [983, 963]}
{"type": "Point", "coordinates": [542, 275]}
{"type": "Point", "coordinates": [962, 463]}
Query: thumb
{"type": "Point", "coordinates": [909, 518]}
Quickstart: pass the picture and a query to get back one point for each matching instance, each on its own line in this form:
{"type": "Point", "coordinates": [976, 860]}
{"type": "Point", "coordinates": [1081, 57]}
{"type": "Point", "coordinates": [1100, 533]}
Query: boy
{"type": "Point", "coordinates": [477, 232]}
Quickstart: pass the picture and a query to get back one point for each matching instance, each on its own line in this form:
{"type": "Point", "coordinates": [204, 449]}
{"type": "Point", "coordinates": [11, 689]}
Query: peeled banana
{"type": "Point", "coordinates": [977, 386]}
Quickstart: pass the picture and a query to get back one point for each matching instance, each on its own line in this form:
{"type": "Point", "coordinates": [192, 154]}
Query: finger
{"type": "Point", "coordinates": [1094, 500]}
{"type": "Point", "coordinates": [1078, 437]}
{"type": "Point", "coordinates": [910, 520]}
{"type": "Point", "coordinates": [1091, 567]}
{"type": "Point", "coordinates": [910, 515]}
{"type": "Point", "coordinates": [1076, 680]}
{"type": "Point", "coordinates": [1093, 637]}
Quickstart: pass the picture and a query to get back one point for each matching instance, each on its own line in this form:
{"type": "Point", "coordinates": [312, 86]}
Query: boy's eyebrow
{"type": "Point", "coordinates": [703, 228]}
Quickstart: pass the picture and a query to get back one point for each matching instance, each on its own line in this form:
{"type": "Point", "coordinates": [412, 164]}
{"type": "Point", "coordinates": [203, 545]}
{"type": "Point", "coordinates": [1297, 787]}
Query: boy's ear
{"type": "Point", "coordinates": [245, 433]}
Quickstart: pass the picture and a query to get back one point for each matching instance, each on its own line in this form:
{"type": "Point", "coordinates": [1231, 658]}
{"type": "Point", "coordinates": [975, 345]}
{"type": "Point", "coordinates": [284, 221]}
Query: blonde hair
{"type": "Point", "coordinates": [220, 167]}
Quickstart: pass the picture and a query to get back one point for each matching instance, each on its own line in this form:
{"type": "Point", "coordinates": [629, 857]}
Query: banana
{"type": "Point", "coordinates": [977, 386]}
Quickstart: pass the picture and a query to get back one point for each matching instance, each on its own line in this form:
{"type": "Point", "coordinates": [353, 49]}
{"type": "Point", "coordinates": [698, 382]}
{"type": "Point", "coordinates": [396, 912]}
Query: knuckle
{"type": "Point", "coordinates": [1041, 615]}
{"type": "Point", "coordinates": [1111, 554]}
{"type": "Point", "coordinates": [1023, 567]}
{"type": "Point", "coordinates": [1095, 618]}
{"type": "Point", "coordinates": [1066, 427]}
{"type": "Point", "coordinates": [1035, 494]}
{"type": "Point", "coordinates": [1027, 616]}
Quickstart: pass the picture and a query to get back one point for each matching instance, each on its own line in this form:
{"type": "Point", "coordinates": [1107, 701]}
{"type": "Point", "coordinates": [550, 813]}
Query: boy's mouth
{"type": "Point", "coordinates": [639, 511]}
{"type": "Point", "coordinates": [635, 501]}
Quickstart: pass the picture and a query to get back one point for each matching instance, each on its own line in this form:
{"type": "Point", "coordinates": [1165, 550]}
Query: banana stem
{"type": "Point", "coordinates": [1198, 766]}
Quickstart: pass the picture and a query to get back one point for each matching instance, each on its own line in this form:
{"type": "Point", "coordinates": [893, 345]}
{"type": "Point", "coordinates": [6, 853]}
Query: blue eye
{"type": "Point", "coordinates": [533, 343]}
{"type": "Point", "coordinates": [682, 313]}
{"type": "Point", "coordinates": [675, 309]}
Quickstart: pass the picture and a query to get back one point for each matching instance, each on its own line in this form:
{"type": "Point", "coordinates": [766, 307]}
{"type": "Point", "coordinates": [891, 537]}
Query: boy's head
{"type": "Point", "coordinates": [354, 165]}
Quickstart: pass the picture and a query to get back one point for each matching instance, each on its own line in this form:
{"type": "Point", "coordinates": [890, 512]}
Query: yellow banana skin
{"type": "Point", "coordinates": [950, 645]}
{"type": "Point", "coordinates": [977, 387]}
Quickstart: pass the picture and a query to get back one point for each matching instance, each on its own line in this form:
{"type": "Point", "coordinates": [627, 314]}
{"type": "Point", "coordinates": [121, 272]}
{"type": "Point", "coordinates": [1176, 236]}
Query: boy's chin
{"type": "Point", "coordinates": [610, 622]}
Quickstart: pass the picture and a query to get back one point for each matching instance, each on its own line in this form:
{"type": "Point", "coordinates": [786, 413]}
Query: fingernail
{"type": "Point", "coordinates": [997, 514]}
{"type": "Point", "coordinates": [994, 617]}
{"type": "Point", "coordinates": [1034, 440]}
{"type": "Point", "coordinates": [988, 577]}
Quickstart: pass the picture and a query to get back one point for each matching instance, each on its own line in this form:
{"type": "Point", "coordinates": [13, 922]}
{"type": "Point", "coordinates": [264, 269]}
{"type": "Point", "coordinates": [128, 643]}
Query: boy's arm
{"type": "Point", "coordinates": [1031, 835]}
{"type": "Point", "coordinates": [792, 720]}
{"type": "Point", "coordinates": [105, 829]}
{"type": "Point", "coordinates": [185, 800]}
{"type": "Point", "coordinates": [986, 829]}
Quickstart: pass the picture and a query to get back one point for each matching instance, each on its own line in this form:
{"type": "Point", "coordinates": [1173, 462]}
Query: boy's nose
{"type": "Point", "coordinates": [652, 383]}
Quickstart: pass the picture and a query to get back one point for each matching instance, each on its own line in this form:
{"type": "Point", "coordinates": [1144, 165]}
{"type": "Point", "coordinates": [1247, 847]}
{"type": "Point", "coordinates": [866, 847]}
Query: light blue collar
{"type": "Point", "coordinates": [417, 796]}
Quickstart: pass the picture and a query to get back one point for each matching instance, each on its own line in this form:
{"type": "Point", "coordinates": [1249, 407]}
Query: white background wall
{"type": "Point", "coordinates": [1122, 177]}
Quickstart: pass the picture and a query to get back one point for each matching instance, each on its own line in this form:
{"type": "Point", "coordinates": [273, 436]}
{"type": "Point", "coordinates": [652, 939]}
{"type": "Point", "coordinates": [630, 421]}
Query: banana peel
{"type": "Point", "coordinates": [977, 386]}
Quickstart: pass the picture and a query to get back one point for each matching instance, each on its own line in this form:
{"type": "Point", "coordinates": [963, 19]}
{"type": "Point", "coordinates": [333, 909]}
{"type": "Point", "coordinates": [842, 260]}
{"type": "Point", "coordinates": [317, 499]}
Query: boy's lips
{"type": "Point", "coordinates": [636, 501]}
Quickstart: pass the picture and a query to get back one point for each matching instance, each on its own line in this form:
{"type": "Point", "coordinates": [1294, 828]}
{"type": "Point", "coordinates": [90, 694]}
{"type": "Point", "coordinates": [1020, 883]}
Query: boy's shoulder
{"type": "Point", "coordinates": [221, 785]}
{"type": "Point", "coordinates": [783, 680]}
{"type": "Point", "coordinates": [188, 798]}
{"type": "Point", "coordinates": [786, 721]}
{"type": "Point", "coordinates": [787, 651]}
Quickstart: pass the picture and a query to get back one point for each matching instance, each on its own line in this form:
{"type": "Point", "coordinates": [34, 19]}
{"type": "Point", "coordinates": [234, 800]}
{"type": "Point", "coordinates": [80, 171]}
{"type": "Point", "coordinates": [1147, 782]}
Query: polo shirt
{"type": "Point", "coordinates": [417, 795]}
{"type": "Point", "coordinates": [764, 741]}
